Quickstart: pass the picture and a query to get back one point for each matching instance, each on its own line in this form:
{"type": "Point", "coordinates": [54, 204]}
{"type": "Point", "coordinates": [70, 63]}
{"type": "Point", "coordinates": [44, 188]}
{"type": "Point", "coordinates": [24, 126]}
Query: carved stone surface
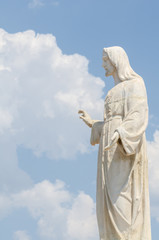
{"type": "Point", "coordinates": [122, 199]}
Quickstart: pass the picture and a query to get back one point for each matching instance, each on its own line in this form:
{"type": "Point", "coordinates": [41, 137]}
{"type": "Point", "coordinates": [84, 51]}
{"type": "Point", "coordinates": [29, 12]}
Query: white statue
{"type": "Point", "coordinates": [122, 199]}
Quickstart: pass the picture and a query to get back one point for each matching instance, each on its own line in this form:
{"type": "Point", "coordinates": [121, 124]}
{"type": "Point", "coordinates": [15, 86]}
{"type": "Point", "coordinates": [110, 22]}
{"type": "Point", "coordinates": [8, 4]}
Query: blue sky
{"type": "Point", "coordinates": [50, 66]}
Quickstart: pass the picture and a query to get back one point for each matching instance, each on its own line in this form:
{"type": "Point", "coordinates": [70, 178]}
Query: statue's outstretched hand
{"type": "Point", "coordinates": [113, 141]}
{"type": "Point", "coordinates": [86, 118]}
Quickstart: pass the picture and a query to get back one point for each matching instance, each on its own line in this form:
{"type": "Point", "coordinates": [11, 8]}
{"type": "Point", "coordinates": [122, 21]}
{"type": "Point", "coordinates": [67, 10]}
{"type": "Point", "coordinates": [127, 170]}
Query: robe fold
{"type": "Point", "coordinates": [122, 197]}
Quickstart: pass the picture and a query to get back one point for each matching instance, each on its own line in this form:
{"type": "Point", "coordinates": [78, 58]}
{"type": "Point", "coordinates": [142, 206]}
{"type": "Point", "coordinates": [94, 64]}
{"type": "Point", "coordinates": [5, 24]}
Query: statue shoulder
{"type": "Point", "coordinates": [135, 87]}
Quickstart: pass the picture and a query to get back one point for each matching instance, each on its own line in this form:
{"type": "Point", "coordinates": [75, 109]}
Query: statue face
{"type": "Point", "coordinates": [107, 65]}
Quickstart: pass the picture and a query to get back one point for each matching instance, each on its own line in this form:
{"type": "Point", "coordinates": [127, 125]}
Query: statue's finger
{"type": "Point", "coordinates": [110, 145]}
{"type": "Point", "coordinates": [81, 111]}
{"type": "Point", "coordinates": [107, 147]}
{"type": "Point", "coordinates": [82, 117]}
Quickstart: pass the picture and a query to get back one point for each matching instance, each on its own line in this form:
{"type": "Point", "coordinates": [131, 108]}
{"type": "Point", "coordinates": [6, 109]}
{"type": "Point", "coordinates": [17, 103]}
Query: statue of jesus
{"type": "Point", "coordinates": [122, 198]}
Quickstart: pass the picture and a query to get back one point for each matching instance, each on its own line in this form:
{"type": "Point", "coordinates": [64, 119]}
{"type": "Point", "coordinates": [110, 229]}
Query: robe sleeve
{"type": "Point", "coordinates": [96, 132]}
{"type": "Point", "coordinates": [134, 124]}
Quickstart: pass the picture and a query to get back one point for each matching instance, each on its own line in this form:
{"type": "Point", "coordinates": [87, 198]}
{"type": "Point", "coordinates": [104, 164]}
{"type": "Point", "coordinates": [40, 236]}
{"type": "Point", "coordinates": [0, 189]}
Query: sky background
{"type": "Point", "coordinates": [50, 66]}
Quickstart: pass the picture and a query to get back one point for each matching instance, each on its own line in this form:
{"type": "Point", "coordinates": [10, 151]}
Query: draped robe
{"type": "Point", "coordinates": [122, 199]}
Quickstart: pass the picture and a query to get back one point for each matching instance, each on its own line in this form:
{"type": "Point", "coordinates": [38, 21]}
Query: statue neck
{"type": "Point", "coordinates": [116, 78]}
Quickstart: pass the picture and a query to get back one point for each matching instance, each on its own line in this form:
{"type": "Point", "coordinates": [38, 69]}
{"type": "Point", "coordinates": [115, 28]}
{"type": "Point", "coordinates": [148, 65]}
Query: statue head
{"type": "Point", "coordinates": [117, 57]}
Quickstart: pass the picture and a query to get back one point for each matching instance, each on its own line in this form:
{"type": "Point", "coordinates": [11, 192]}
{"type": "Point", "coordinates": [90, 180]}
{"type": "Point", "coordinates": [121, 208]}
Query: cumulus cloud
{"type": "Point", "coordinates": [153, 155]}
{"type": "Point", "coordinates": [41, 90]}
{"type": "Point", "coordinates": [59, 214]}
{"type": "Point", "coordinates": [41, 3]}
{"type": "Point", "coordinates": [81, 219]}
{"type": "Point", "coordinates": [36, 3]}
{"type": "Point", "coordinates": [21, 235]}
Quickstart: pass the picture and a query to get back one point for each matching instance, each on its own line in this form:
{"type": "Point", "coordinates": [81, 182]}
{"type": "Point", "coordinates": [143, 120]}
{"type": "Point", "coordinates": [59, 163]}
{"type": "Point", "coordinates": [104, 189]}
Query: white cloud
{"type": "Point", "coordinates": [45, 203]}
{"type": "Point", "coordinates": [153, 156]}
{"type": "Point", "coordinates": [41, 3]}
{"type": "Point", "coordinates": [12, 178]}
{"type": "Point", "coordinates": [59, 214]}
{"type": "Point", "coordinates": [21, 235]}
{"type": "Point", "coordinates": [41, 90]}
{"type": "Point", "coordinates": [81, 220]}
{"type": "Point", "coordinates": [5, 206]}
{"type": "Point", "coordinates": [36, 3]}
{"type": "Point", "coordinates": [5, 120]}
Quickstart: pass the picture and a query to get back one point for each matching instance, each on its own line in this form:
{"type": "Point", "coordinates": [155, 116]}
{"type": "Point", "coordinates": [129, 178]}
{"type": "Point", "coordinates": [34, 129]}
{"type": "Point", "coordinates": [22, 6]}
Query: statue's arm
{"type": "Point", "coordinates": [96, 126]}
{"type": "Point", "coordinates": [134, 125]}
{"type": "Point", "coordinates": [129, 134]}
{"type": "Point", "coordinates": [96, 132]}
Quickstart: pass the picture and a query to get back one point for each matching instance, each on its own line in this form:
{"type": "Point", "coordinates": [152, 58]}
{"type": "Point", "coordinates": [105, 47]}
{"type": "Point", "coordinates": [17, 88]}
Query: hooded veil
{"type": "Point", "coordinates": [120, 61]}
